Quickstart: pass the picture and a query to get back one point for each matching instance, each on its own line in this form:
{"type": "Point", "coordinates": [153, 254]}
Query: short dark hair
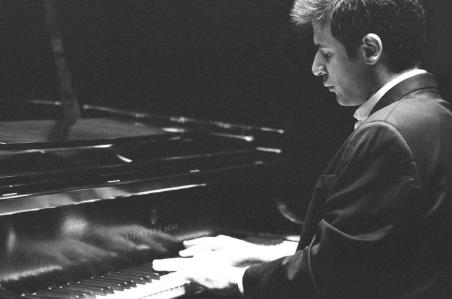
{"type": "Point", "coordinates": [399, 23]}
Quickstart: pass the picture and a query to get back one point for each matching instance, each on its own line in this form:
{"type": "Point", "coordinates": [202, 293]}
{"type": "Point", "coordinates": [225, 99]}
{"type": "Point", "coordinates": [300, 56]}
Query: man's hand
{"type": "Point", "coordinates": [236, 251]}
{"type": "Point", "coordinates": [218, 263]}
{"type": "Point", "coordinates": [209, 271]}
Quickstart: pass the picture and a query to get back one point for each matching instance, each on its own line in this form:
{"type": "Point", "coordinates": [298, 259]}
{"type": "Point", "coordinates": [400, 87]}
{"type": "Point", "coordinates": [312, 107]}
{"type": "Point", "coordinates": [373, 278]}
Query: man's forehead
{"type": "Point", "coordinates": [322, 34]}
{"type": "Point", "coordinates": [323, 38]}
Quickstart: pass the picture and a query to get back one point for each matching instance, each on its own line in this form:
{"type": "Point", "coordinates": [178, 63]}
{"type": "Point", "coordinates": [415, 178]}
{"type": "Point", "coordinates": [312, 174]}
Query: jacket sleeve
{"type": "Point", "coordinates": [367, 232]}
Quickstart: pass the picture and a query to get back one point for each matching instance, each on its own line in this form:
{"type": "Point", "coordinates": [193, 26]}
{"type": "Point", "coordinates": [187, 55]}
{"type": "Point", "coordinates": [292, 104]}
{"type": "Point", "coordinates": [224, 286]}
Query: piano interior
{"type": "Point", "coordinates": [91, 194]}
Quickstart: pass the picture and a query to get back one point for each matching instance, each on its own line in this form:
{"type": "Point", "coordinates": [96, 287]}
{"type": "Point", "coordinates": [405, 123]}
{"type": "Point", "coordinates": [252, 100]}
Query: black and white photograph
{"type": "Point", "coordinates": [225, 149]}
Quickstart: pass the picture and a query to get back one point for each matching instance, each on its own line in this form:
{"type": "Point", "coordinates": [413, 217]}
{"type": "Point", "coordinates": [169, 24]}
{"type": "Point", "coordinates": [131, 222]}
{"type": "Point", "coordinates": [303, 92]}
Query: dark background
{"type": "Point", "coordinates": [239, 61]}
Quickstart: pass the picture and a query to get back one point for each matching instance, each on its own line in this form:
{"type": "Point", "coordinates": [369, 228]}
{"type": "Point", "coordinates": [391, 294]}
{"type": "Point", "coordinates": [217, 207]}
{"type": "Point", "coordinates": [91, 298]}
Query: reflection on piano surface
{"type": "Point", "coordinates": [90, 195]}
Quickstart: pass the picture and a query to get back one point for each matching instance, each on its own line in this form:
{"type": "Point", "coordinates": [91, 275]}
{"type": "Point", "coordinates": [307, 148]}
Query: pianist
{"type": "Point", "coordinates": [379, 223]}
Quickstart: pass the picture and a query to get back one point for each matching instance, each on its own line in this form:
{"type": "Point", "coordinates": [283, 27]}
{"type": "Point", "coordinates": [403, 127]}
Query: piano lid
{"type": "Point", "coordinates": [112, 154]}
{"type": "Point", "coordinates": [27, 134]}
{"type": "Point", "coordinates": [55, 152]}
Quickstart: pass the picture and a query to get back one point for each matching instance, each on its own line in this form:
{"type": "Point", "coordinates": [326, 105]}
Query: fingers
{"type": "Point", "coordinates": [199, 241]}
{"type": "Point", "coordinates": [199, 246]}
{"type": "Point", "coordinates": [197, 251]}
{"type": "Point", "coordinates": [209, 272]}
{"type": "Point", "coordinates": [232, 248]}
{"type": "Point", "coordinates": [204, 244]}
{"type": "Point", "coordinates": [220, 240]}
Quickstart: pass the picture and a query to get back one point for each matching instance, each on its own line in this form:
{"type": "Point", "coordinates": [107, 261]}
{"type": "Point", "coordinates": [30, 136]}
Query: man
{"type": "Point", "coordinates": [379, 223]}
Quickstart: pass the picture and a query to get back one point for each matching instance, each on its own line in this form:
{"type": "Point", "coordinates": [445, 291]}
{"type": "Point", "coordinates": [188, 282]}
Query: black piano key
{"type": "Point", "coordinates": [126, 278]}
{"type": "Point", "coordinates": [86, 289]}
{"type": "Point", "coordinates": [145, 269]}
{"type": "Point", "coordinates": [103, 285]}
{"type": "Point", "coordinates": [152, 274]}
{"type": "Point", "coordinates": [54, 294]}
{"type": "Point", "coordinates": [32, 296]}
{"type": "Point", "coordinates": [104, 289]}
{"type": "Point", "coordinates": [148, 267]}
{"type": "Point", "coordinates": [157, 273]}
{"type": "Point", "coordinates": [145, 276]}
{"type": "Point", "coordinates": [128, 282]}
{"type": "Point", "coordinates": [81, 295]}
{"type": "Point", "coordinates": [117, 286]}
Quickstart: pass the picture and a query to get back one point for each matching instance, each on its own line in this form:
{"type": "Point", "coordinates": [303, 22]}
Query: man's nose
{"type": "Point", "coordinates": [318, 69]}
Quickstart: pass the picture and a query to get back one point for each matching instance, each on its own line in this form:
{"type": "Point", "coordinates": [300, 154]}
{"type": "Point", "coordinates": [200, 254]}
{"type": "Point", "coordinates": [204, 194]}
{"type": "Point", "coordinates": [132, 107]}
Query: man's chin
{"type": "Point", "coordinates": [341, 101]}
{"type": "Point", "coordinates": [346, 102]}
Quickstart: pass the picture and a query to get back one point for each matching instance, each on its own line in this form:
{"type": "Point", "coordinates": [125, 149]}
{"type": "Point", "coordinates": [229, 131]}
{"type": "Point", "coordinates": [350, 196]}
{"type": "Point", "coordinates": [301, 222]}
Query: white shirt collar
{"type": "Point", "coordinates": [363, 112]}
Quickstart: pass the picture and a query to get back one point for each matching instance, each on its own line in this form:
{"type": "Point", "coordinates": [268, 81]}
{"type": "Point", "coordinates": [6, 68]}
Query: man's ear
{"type": "Point", "coordinates": [372, 48]}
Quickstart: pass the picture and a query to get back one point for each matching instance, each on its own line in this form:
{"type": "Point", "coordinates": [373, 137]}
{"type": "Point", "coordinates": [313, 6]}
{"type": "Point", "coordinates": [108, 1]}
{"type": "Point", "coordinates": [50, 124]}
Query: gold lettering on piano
{"type": "Point", "coordinates": [167, 228]}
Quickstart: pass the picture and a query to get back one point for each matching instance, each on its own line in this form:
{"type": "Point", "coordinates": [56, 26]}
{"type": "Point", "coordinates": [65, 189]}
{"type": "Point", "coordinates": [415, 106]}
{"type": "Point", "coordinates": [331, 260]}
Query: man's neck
{"type": "Point", "coordinates": [382, 75]}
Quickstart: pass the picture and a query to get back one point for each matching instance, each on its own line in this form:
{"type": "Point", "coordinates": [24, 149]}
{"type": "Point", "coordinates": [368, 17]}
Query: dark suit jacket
{"type": "Point", "coordinates": [379, 224]}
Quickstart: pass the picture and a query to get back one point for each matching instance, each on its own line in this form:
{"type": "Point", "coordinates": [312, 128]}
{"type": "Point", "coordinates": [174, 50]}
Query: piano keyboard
{"type": "Point", "coordinates": [137, 282]}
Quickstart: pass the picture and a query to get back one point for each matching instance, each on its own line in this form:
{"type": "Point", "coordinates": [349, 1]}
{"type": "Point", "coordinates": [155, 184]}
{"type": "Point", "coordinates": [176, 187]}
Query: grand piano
{"type": "Point", "coordinates": [90, 194]}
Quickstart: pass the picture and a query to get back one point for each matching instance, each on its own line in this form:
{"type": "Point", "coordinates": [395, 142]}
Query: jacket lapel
{"type": "Point", "coordinates": [418, 82]}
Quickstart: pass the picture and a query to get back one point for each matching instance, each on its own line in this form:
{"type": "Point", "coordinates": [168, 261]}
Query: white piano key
{"type": "Point", "coordinates": [167, 287]}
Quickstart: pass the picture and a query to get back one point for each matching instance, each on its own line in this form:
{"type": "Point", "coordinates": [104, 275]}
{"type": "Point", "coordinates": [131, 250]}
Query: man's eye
{"type": "Point", "coordinates": [326, 55]}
